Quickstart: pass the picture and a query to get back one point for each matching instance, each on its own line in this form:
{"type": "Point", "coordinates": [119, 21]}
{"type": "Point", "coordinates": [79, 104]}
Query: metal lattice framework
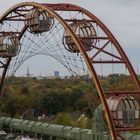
{"type": "Point", "coordinates": [68, 33]}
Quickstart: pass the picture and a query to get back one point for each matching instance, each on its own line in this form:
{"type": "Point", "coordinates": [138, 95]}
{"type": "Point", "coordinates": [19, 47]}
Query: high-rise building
{"type": "Point", "coordinates": [56, 73]}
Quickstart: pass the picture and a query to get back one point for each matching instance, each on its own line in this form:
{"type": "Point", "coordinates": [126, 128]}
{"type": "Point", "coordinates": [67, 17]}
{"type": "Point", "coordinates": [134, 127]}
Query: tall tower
{"type": "Point", "coordinates": [28, 72]}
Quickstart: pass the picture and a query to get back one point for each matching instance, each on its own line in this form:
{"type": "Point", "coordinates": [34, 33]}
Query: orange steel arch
{"type": "Point", "coordinates": [51, 8]}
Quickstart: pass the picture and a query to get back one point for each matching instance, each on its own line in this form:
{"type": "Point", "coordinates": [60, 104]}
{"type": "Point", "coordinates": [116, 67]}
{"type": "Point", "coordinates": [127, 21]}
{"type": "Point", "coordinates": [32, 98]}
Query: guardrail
{"type": "Point", "coordinates": [16, 129]}
{"type": "Point", "coordinates": [46, 131]}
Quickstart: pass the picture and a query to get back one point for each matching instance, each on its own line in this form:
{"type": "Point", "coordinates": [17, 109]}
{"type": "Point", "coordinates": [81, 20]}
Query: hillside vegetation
{"type": "Point", "coordinates": [61, 98]}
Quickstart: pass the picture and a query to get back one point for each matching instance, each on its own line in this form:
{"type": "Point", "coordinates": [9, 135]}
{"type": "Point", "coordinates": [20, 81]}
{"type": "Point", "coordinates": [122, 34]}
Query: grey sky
{"type": "Point", "coordinates": [122, 17]}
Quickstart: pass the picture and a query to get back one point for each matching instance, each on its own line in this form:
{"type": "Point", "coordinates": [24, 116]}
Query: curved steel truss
{"type": "Point", "coordinates": [71, 35]}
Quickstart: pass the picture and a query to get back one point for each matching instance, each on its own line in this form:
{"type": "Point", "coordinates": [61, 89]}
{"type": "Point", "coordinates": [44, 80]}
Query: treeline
{"type": "Point", "coordinates": [31, 97]}
{"type": "Point", "coordinates": [45, 96]}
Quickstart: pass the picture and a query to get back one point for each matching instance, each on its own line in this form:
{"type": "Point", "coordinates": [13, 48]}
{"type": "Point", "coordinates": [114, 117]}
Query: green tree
{"type": "Point", "coordinates": [9, 106]}
{"type": "Point", "coordinates": [63, 119]}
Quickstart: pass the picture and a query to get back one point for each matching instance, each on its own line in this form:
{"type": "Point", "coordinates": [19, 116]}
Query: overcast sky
{"type": "Point", "coordinates": [122, 17]}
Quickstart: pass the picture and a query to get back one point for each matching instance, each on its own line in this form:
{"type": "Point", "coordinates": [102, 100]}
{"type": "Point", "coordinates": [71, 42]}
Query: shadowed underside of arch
{"type": "Point", "coordinates": [78, 35]}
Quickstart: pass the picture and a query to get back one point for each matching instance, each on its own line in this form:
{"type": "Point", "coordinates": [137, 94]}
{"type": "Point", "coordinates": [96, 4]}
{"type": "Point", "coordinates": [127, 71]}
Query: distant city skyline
{"type": "Point", "coordinates": [121, 17]}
